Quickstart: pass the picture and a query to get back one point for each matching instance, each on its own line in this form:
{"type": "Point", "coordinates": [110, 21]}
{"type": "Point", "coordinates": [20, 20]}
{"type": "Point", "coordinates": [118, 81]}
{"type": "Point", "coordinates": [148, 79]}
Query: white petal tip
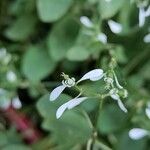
{"type": "Point", "coordinates": [122, 107]}
{"type": "Point", "coordinates": [61, 110]}
{"type": "Point", "coordinates": [137, 133]}
{"type": "Point", "coordinates": [114, 26]}
{"type": "Point", "coordinates": [56, 92]}
{"type": "Point", "coordinates": [86, 21]}
{"type": "Point", "coordinates": [147, 38]}
{"type": "Point", "coordinates": [147, 112]}
{"type": "Point", "coordinates": [102, 38]}
{"type": "Point", "coordinates": [92, 75]}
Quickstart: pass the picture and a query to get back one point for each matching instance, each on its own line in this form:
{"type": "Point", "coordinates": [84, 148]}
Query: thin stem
{"type": "Point", "coordinates": [88, 119]}
{"type": "Point", "coordinates": [89, 144]}
{"type": "Point", "coordinates": [102, 146]}
{"type": "Point", "coordinates": [98, 111]}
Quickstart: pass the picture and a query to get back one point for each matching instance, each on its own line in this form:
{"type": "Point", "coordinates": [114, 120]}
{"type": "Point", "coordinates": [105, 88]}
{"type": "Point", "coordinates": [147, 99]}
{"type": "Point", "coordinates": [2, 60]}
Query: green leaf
{"type": "Point", "coordinates": [62, 37]}
{"type": "Point", "coordinates": [145, 71]}
{"type": "Point", "coordinates": [52, 10]}
{"type": "Point", "coordinates": [71, 124]}
{"type": "Point", "coordinates": [120, 54]}
{"type": "Point", "coordinates": [21, 28]}
{"type": "Point", "coordinates": [36, 64]}
{"type": "Point", "coordinates": [78, 53]}
{"type": "Point", "coordinates": [16, 147]}
{"type": "Point", "coordinates": [126, 143]}
{"type": "Point", "coordinates": [111, 119]}
{"type": "Point", "coordinates": [109, 9]}
{"type": "Point", "coordinates": [48, 109]}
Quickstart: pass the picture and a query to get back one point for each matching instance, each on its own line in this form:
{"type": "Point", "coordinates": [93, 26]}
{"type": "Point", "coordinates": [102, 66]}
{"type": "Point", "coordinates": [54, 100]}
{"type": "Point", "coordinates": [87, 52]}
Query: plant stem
{"type": "Point", "coordinates": [88, 119]}
{"type": "Point", "coordinates": [102, 146]}
{"type": "Point", "coordinates": [98, 111]}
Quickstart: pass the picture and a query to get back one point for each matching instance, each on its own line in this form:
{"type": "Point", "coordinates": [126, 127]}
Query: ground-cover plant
{"type": "Point", "coordinates": [74, 74]}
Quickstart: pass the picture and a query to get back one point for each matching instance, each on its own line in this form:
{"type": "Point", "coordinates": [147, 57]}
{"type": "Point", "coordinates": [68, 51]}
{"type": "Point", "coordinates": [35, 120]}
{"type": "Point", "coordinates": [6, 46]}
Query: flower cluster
{"type": "Point", "coordinates": [115, 92]}
{"type": "Point", "coordinates": [68, 82]}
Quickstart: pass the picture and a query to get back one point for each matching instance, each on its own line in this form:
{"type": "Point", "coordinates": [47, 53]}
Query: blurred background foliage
{"type": "Point", "coordinates": [39, 39]}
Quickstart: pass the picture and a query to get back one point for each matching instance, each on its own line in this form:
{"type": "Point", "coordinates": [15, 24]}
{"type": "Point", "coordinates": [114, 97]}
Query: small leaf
{"type": "Point", "coordinates": [36, 64]}
{"type": "Point", "coordinates": [78, 53]}
{"type": "Point", "coordinates": [62, 38]}
{"type": "Point", "coordinates": [126, 143]}
{"type": "Point", "coordinates": [52, 10]}
{"type": "Point", "coordinates": [108, 9]}
{"type": "Point", "coordinates": [108, 118]}
{"type": "Point", "coordinates": [21, 28]}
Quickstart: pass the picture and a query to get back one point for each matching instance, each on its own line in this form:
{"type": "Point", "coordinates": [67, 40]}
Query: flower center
{"type": "Point", "coordinates": [69, 82]}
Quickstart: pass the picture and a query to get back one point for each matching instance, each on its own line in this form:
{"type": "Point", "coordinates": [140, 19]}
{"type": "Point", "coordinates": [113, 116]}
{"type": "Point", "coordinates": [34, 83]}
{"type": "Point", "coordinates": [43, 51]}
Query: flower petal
{"type": "Point", "coordinates": [102, 38]}
{"type": "Point", "coordinates": [93, 75]}
{"type": "Point", "coordinates": [76, 101]}
{"type": "Point", "coordinates": [96, 78]}
{"type": "Point", "coordinates": [121, 105]}
{"type": "Point", "coordinates": [147, 13]}
{"type": "Point", "coordinates": [114, 26]}
{"type": "Point", "coordinates": [115, 96]}
{"type": "Point", "coordinates": [141, 16]}
{"type": "Point", "coordinates": [86, 21]}
{"type": "Point", "coordinates": [117, 83]}
{"type": "Point", "coordinates": [137, 133]}
{"type": "Point", "coordinates": [61, 110]}
{"type": "Point", "coordinates": [11, 76]}
{"type": "Point", "coordinates": [56, 92]}
{"type": "Point", "coordinates": [147, 38]}
{"type": "Point", "coordinates": [147, 111]}
{"type": "Point", "coordinates": [16, 103]}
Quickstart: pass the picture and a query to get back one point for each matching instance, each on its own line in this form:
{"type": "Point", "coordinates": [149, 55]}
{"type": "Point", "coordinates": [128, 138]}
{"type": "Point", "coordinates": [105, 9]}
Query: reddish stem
{"type": "Point", "coordinates": [23, 124]}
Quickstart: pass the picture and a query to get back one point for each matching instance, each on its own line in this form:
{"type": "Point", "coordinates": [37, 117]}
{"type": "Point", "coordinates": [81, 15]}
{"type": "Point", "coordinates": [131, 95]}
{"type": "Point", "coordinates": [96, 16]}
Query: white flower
{"type": "Point", "coordinates": [86, 21]}
{"type": "Point", "coordinates": [93, 75]}
{"type": "Point", "coordinates": [108, 80]}
{"type": "Point", "coordinates": [16, 103]}
{"type": "Point", "coordinates": [114, 95]}
{"type": "Point", "coordinates": [102, 38]}
{"type": "Point", "coordinates": [143, 14]}
{"type": "Point", "coordinates": [3, 53]}
{"type": "Point", "coordinates": [69, 105]}
{"type": "Point", "coordinates": [114, 26]}
{"type": "Point", "coordinates": [4, 100]}
{"type": "Point", "coordinates": [137, 133]}
{"type": "Point", "coordinates": [147, 110]}
{"type": "Point", "coordinates": [11, 76]}
{"type": "Point", "coordinates": [147, 38]}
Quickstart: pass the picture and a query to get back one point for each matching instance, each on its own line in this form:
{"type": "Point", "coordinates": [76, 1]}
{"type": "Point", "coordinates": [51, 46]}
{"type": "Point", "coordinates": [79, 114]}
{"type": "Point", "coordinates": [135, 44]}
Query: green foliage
{"type": "Point", "coordinates": [111, 119]}
{"type": "Point", "coordinates": [125, 142]}
{"type": "Point", "coordinates": [52, 10]}
{"type": "Point", "coordinates": [62, 37]}
{"type": "Point", "coordinates": [73, 125]}
{"type": "Point", "coordinates": [73, 53]}
{"type": "Point", "coordinates": [25, 23]}
{"type": "Point", "coordinates": [40, 39]}
{"type": "Point", "coordinates": [109, 9]}
{"type": "Point", "coordinates": [37, 64]}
